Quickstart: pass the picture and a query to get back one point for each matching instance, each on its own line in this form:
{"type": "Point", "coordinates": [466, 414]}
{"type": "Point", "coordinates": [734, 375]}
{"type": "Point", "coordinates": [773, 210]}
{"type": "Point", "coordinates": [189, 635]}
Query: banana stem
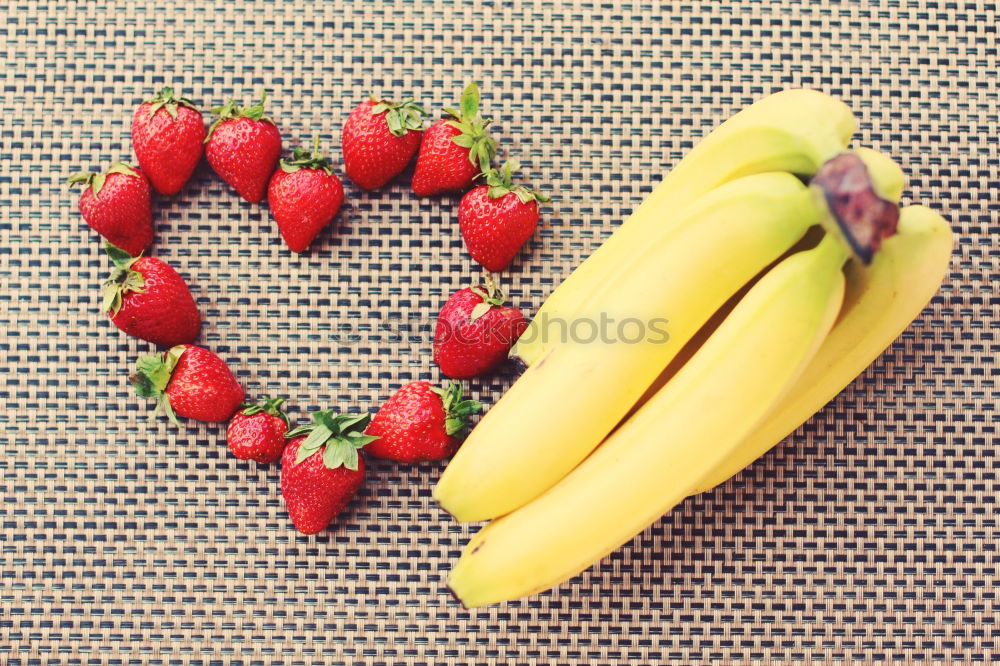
{"type": "Point", "coordinates": [834, 249]}
{"type": "Point", "coordinates": [845, 191]}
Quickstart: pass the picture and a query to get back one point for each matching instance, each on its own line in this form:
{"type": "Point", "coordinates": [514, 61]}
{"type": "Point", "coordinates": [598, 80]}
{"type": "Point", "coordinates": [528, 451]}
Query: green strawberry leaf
{"type": "Point", "coordinates": [457, 411]}
{"type": "Point", "coordinates": [97, 184]}
{"type": "Point", "coordinates": [470, 100]}
{"type": "Point", "coordinates": [164, 99]}
{"type": "Point", "coordinates": [303, 158]}
{"type": "Point", "coordinates": [152, 372]}
{"type": "Point", "coordinates": [350, 422]}
{"type": "Point", "coordinates": [122, 168]}
{"type": "Point", "coordinates": [231, 110]}
{"type": "Point", "coordinates": [317, 437]}
{"type": "Point", "coordinates": [122, 280]}
{"type": "Point", "coordinates": [501, 183]}
{"type": "Point", "coordinates": [340, 453]}
{"type": "Point", "coordinates": [168, 410]}
{"type": "Point", "coordinates": [464, 140]}
{"type": "Point", "coordinates": [80, 177]}
{"type": "Point", "coordinates": [402, 117]}
{"type": "Point", "coordinates": [303, 453]}
{"type": "Point", "coordinates": [478, 311]}
{"type": "Point", "coordinates": [118, 256]}
{"type": "Point", "coordinates": [338, 436]}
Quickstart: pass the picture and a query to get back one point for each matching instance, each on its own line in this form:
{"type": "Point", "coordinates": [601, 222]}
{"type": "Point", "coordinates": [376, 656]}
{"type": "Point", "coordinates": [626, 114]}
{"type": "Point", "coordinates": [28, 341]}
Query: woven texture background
{"type": "Point", "coordinates": [870, 537]}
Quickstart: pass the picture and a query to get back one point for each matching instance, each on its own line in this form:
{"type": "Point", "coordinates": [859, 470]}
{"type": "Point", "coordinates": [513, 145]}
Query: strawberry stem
{"type": "Point", "coordinates": [164, 99]}
{"type": "Point", "coordinates": [270, 406]}
{"type": "Point", "coordinates": [457, 411]}
{"type": "Point", "coordinates": [96, 180]}
{"type": "Point", "coordinates": [401, 118]}
{"type": "Point", "coordinates": [338, 438]}
{"type": "Point", "coordinates": [491, 293]}
{"type": "Point", "coordinates": [152, 375]}
{"type": "Point", "coordinates": [303, 158]}
{"type": "Point", "coordinates": [500, 182]}
{"type": "Point", "coordinates": [482, 147]}
{"type": "Point", "coordinates": [231, 111]}
{"type": "Point", "coordinates": [121, 280]}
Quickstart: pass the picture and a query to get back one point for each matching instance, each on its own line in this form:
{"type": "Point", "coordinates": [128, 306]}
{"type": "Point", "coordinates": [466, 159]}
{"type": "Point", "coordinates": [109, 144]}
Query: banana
{"type": "Point", "coordinates": [561, 408]}
{"type": "Point", "coordinates": [650, 463]}
{"type": "Point", "coordinates": [881, 301]}
{"type": "Point", "coordinates": [792, 130]}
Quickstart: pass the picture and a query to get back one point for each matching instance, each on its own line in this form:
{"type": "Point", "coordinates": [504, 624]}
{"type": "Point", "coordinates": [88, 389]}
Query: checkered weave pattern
{"type": "Point", "coordinates": [869, 537]}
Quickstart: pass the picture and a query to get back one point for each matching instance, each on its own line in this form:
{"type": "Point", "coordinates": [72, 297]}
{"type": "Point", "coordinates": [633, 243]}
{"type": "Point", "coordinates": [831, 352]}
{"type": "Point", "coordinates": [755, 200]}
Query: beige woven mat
{"type": "Point", "coordinates": [871, 537]}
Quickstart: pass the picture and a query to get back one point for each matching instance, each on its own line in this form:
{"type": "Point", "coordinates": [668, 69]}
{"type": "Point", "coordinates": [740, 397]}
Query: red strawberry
{"type": "Point", "coordinates": [257, 432]}
{"type": "Point", "coordinates": [496, 219]}
{"type": "Point", "coordinates": [475, 331]}
{"type": "Point", "coordinates": [321, 469]}
{"type": "Point", "coordinates": [379, 140]}
{"type": "Point", "coordinates": [168, 134]}
{"type": "Point", "coordinates": [147, 299]}
{"type": "Point", "coordinates": [454, 150]}
{"type": "Point", "coordinates": [421, 422]}
{"type": "Point", "coordinates": [116, 204]}
{"type": "Point", "coordinates": [243, 146]}
{"type": "Point", "coordinates": [189, 381]}
{"type": "Point", "coordinates": [304, 195]}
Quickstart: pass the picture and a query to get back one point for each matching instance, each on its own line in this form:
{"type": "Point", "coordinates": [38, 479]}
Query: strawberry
{"type": "Point", "coordinates": [243, 146]}
{"type": "Point", "coordinates": [475, 331]}
{"type": "Point", "coordinates": [304, 195]}
{"type": "Point", "coordinates": [188, 381]}
{"type": "Point", "coordinates": [168, 134]}
{"type": "Point", "coordinates": [379, 139]}
{"type": "Point", "coordinates": [454, 150]}
{"type": "Point", "coordinates": [496, 219]}
{"type": "Point", "coordinates": [147, 299]}
{"type": "Point", "coordinates": [321, 469]}
{"type": "Point", "coordinates": [116, 204]}
{"type": "Point", "coordinates": [421, 422]}
{"type": "Point", "coordinates": [257, 432]}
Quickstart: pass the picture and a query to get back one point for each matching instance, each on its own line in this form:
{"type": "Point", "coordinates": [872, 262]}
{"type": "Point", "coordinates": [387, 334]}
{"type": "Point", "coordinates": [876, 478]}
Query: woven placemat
{"type": "Point", "coordinates": [869, 537]}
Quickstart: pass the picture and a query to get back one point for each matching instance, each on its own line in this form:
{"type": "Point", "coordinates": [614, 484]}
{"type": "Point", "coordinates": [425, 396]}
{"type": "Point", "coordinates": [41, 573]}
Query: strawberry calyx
{"type": "Point", "coordinates": [152, 375]}
{"type": "Point", "coordinates": [270, 406]}
{"type": "Point", "coordinates": [96, 180]}
{"type": "Point", "coordinates": [501, 184]}
{"type": "Point", "coordinates": [303, 158]}
{"type": "Point", "coordinates": [121, 280]}
{"type": "Point", "coordinates": [338, 437]}
{"type": "Point", "coordinates": [491, 293]}
{"type": "Point", "coordinates": [231, 111]}
{"type": "Point", "coordinates": [482, 147]}
{"type": "Point", "coordinates": [164, 99]}
{"type": "Point", "coordinates": [457, 411]}
{"type": "Point", "coordinates": [401, 118]}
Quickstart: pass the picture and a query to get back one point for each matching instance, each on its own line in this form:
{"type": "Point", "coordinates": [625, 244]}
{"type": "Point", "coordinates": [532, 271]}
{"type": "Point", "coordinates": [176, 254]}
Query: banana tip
{"type": "Point", "coordinates": [457, 598]}
{"type": "Point", "coordinates": [518, 364]}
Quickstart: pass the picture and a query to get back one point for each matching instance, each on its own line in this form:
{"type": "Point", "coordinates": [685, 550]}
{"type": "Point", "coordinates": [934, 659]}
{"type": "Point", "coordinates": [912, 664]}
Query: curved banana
{"type": "Point", "coordinates": [561, 408]}
{"type": "Point", "coordinates": [650, 463]}
{"type": "Point", "coordinates": [881, 301]}
{"type": "Point", "coordinates": [792, 130]}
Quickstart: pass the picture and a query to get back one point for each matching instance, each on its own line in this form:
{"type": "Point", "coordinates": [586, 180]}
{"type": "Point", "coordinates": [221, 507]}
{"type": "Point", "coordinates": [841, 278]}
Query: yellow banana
{"type": "Point", "coordinates": [881, 301]}
{"type": "Point", "coordinates": [792, 130]}
{"type": "Point", "coordinates": [563, 406]}
{"type": "Point", "coordinates": [650, 463]}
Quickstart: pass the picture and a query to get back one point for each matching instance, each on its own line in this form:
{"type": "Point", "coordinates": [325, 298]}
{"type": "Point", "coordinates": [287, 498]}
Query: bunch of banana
{"type": "Point", "coordinates": [600, 437]}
